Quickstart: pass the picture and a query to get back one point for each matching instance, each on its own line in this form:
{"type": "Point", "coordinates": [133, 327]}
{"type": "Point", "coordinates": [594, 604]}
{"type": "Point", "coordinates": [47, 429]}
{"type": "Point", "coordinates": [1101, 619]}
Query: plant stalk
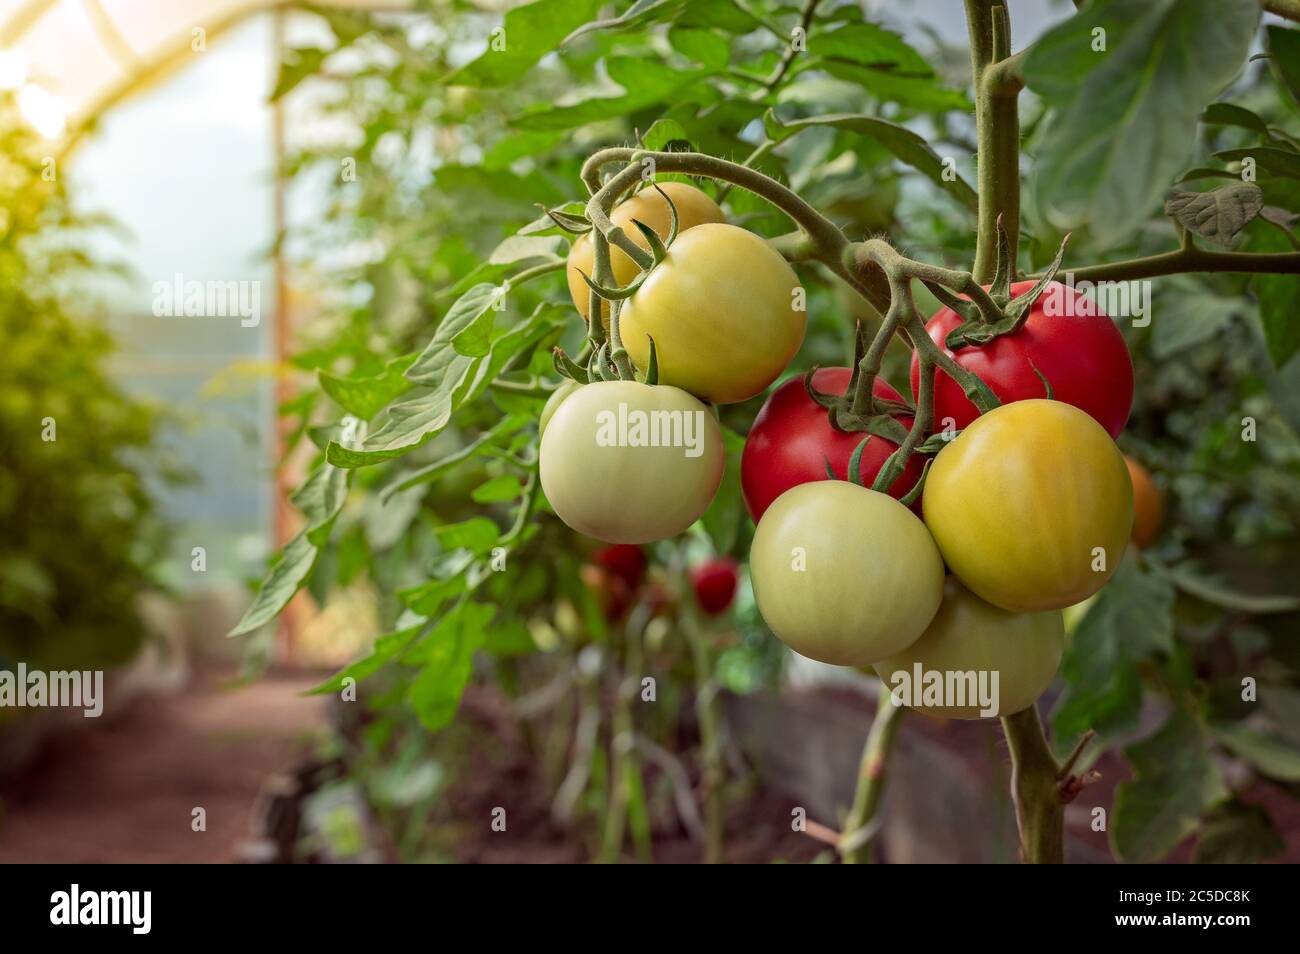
{"type": "Point", "coordinates": [1040, 813]}
{"type": "Point", "coordinates": [860, 825]}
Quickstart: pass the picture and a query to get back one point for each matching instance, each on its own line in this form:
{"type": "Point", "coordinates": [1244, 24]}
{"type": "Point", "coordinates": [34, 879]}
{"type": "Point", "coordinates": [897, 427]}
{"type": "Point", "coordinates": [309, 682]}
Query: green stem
{"type": "Point", "coordinates": [787, 58]}
{"type": "Point", "coordinates": [706, 710]}
{"type": "Point", "coordinates": [1035, 774]}
{"type": "Point", "coordinates": [997, 127]}
{"type": "Point", "coordinates": [1190, 258]}
{"type": "Point", "coordinates": [859, 842]}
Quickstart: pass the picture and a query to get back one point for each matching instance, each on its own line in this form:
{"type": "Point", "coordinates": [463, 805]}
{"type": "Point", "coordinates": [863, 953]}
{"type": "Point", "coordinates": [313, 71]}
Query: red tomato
{"type": "Point", "coordinates": [715, 584]}
{"type": "Point", "coordinates": [624, 560]}
{"type": "Point", "coordinates": [1082, 354]}
{"type": "Point", "coordinates": [791, 440]}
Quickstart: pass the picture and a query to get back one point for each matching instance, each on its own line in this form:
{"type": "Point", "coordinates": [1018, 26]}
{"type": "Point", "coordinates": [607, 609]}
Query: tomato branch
{"type": "Point", "coordinates": [861, 824]}
{"type": "Point", "coordinates": [1190, 258]}
{"type": "Point", "coordinates": [997, 128]}
{"type": "Point", "coordinates": [787, 58]}
{"type": "Point", "coordinates": [1040, 812]}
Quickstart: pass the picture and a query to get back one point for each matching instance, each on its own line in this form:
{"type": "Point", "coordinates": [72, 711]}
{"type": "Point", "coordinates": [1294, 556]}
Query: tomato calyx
{"type": "Point", "coordinates": [859, 408]}
{"type": "Point", "coordinates": [975, 327]}
{"type": "Point", "coordinates": [568, 221]}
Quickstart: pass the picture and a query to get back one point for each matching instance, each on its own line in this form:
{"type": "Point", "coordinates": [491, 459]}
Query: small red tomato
{"type": "Point", "coordinates": [626, 561]}
{"type": "Point", "coordinates": [1066, 338]}
{"type": "Point", "coordinates": [791, 440]}
{"type": "Point", "coordinates": [613, 595]}
{"type": "Point", "coordinates": [715, 584]}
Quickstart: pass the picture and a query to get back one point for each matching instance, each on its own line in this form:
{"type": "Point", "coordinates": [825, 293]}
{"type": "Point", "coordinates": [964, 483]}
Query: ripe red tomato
{"type": "Point", "coordinates": [1081, 352]}
{"type": "Point", "coordinates": [715, 584]}
{"type": "Point", "coordinates": [791, 440]}
{"type": "Point", "coordinates": [624, 560]}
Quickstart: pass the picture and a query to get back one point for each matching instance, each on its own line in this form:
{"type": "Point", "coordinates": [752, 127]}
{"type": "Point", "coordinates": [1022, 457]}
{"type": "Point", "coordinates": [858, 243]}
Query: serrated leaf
{"type": "Point", "coordinates": [366, 396]}
{"type": "Point", "coordinates": [1123, 121]}
{"type": "Point", "coordinates": [1217, 215]}
{"type": "Point", "coordinates": [1238, 834]}
{"type": "Point", "coordinates": [1176, 780]}
{"type": "Point", "coordinates": [1131, 621]}
{"type": "Point", "coordinates": [902, 143]}
{"type": "Point", "coordinates": [527, 34]}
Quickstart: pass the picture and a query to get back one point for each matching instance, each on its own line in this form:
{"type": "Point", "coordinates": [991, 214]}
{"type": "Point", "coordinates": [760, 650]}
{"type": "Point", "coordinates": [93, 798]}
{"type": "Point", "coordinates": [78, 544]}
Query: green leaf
{"type": "Point", "coordinates": [702, 46]}
{"type": "Point", "coordinates": [286, 578]}
{"type": "Point", "coordinates": [873, 46]}
{"type": "Point", "coordinates": [505, 487]}
{"type": "Point", "coordinates": [1279, 301]}
{"type": "Point", "coordinates": [1201, 316]}
{"type": "Point", "coordinates": [385, 649]}
{"type": "Point", "coordinates": [722, 519]}
{"type": "Point", "coordinates": [922, 93]}
{"type": "Point", "coordinates": [641, 12]}
{"type": "Point", "coordinates": [409, 425]}
{"type": "Point", "coordinates": [1217, 215]}
{"type": "Point", "coordinates": [1284, 56]}
{"type": "Point", "coordinates": [366, 396]}
{"type": "Point", "coordinates": [1124, 120]}
{"type": "Point", "coordinates": [477, 535]}
{"type": "Point", "coordinates": [446, 656]}
{"type": "Point", "coordinates": [1227, 114]}
{"type": "Point", "coordinates": [1176, 781]}
{"type": "Point", "coordinates": [1238, 834]}
{"type": "Point", "coordinates": [527, 34]}
{"type": "Point", "coordinates": [1280, 162]}
{"type": "Point", "coordinates": [504, 428]}
{"type": "Point", "coordinates": [645, 81]}
{"type": "Point", "coordinates": [905, 145]}
{"type": "Point", "coordinates": [1266, 753]}
{"type": "Point", "coordinates": [320, 499]}
{"type": "Point", "coordinates": [1131, 621]}
{"type": "Point", "coordinates": [296, 65]}
{"type": "Point", "coordinates": [522, 248]}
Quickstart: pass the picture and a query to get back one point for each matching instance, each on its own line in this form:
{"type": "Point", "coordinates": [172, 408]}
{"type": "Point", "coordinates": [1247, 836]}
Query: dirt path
{"type": "Point", "coordinates": [124, 790]}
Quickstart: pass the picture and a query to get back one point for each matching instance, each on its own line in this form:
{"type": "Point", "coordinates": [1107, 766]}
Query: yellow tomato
{"type": "Point", "coordinates": [648, 206]}
{"type": "Point", "coordinates": [1031, 505]}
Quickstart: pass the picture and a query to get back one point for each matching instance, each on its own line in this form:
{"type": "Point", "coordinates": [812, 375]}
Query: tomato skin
{"type": "Point", "coordinates": [1148, 504]}
{"type": "Point", "coordinates": [791, 440]}
{"type": "Point", "coordinates": [721, 310]}
{"type": "Point", "coordinates": [844, 575]}
{"type": "Point", "coordinates": [1083, 356]}
{"type": "Point", "coordinates": [1020, 499]}
{"type": "Point", "coordinates": [565, 388]}
{"type": "Point", "coordinates": [618, 493]}
{"type": "Point", "coordinates": [693, 208]}
{"type": "Point", "coordinates": [624, 560]}
{"type": "Point", "coordinates": [714, 582]}
{"type": "Point", "coordinates": [968, 634]}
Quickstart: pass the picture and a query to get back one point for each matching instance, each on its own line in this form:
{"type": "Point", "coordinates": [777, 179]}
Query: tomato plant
{"type": "Point", "coordinates": [724, 312]}
{"type": "Point", "coordinates": [1065, 338]}
{"type": "Point", "coordinates": [1031, 506]}
{"type": "Point", "coordinates": [844, 575]}
{"type": "Point", "coordinates": [625, 462]}
{"type": "Point", "coordinates": [970, 636]}
{"type": "Point", "coordinates": [792, 442]}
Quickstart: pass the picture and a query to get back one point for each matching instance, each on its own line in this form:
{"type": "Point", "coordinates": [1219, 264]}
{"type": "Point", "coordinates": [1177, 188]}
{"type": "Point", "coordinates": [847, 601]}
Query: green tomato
{"type": "Point", "coordinates": [626, 462]}
{"type": "Point", "coordinates": [553, 403]}
{"type": "Point", "coordinates": [844, 575]}
{"type": "Point", "coordinates": [1031, 505]}
{"type": "Point", "coordinates": [724, 312]}
{"type": "Point", "coordinates": [968, 642]}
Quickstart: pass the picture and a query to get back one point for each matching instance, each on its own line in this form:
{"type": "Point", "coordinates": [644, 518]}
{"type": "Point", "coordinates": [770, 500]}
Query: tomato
{"type": "Point", "coordinates": [557, 397]}
{"type": "Point", "coordinates": [721, 310]}
{"type": "Point", "coordinates": [791, 441]}
{"type": "Point", "coordinates": [714, 582]}
{"type": "Point", "coordinates": [971, 636]}
{"type": "Point", "coordinates": [844, 575]}
{"type": "Point", "coordinates": [1148, 504]}
{"type": "Point", "coordinates": [1021, 500]}
{"type": "Point", "coordinates": [693, 208]}
{"type": "Point", "coordinates": [623, 560]}
{"type": "Point", "coordinates": [1083, 356]}
{"type": "Point", "coordinates": [626, 462]}
{"type": "Point", "coordinates": [613, 595]}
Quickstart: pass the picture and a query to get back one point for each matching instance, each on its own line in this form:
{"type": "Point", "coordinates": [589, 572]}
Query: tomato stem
{"type": "Point", "coordinates": [861, 824]}
{"type": "Point", "coordinates": [1040, 812]}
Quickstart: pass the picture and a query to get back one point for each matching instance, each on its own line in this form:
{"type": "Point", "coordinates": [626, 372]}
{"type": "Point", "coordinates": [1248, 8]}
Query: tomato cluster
{"type": "Point", "coordinates": [962, 565]}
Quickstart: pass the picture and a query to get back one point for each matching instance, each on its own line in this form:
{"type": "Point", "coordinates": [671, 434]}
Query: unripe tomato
{"type": "Point", "coordinates": [1023, 500]}
{"type": "Point", "coordinates": [791, 440]}
{"type": "Point", "coordinates": [714, 582]}
{"type": "Point", "coordinates": [626, 462]}
{"type": "Point", "coordinates": [625, 560]}
{"type": "Point", "coordinates": [1076, 348]}
{"type": "Point", "coordinates": [1148, 504]}
{"type": "Point", "coordinates": [844, 575]}
{"type": "Point", "coordinates": [721, 310]}
{"type": "Point", "coordinates": [969, 635]}
{"type": "Point", "coordinates": [648, 206]}
{"type": "Point", "coordinates": [557, 397]}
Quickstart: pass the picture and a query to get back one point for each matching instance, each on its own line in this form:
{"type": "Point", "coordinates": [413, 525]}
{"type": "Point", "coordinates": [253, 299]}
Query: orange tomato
{"type": "Point", "coordinates": [1148, 505]}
